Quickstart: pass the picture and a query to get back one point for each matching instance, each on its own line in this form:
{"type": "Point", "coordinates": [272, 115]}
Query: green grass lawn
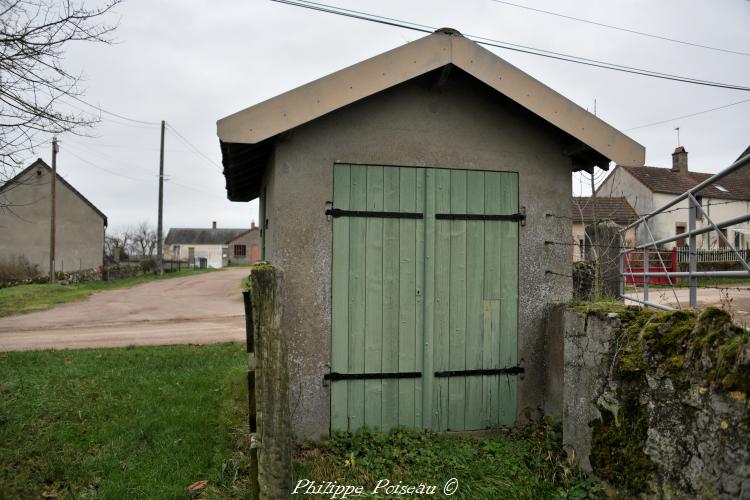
{"type": "Point", "coordinates": [120, 423]}
{"type": "Point", "coordinates": [148, 422]}
{"type": "Point", "coordinates": [27, 298]}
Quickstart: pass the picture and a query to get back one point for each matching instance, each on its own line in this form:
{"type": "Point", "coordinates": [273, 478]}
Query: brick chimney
{"type": "Point", "coordinates": [252, 224]}
{"type": "Point", "coordinates": [680, 160]}
{"type": "Point", "coordinates": [213, 225]}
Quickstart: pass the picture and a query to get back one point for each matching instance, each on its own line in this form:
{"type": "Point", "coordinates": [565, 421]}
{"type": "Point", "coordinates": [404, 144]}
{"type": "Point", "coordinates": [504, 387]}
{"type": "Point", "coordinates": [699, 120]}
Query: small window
{"type": "Point", "coordinates": [240, 250]}
{"type": "Point", "coordinates": [721, 188]}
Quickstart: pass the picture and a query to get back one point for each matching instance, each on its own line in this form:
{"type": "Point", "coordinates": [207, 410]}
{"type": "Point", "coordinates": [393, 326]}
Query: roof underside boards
{"type": "Point", "coordinates": [587, 209]}
{"type": "Point", "coordinates": [663, 180]}
{"type": "Point", "coordinates": [202, 236]}
{"type": "Point", "coordinates": [259, 124]}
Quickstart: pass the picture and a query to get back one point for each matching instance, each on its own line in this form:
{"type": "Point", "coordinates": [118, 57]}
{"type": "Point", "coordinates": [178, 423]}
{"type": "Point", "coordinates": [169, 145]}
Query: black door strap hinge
{"type": "Point", "coordinates": [505, 217]}
{"type": "Point", "coordinates": [514, 370]}
{"type": "Point", "coordinates": [334, 376]}
{"type": "Point", "coordinates": [337, 212]}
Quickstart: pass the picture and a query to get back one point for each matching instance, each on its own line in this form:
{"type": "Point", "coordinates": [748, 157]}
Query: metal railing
{"type": "Point", "coordinates": [695, 211]}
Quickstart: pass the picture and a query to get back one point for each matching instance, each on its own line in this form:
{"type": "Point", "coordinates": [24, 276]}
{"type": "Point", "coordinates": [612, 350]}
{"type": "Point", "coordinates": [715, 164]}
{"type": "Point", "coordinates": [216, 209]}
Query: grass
{"type": "Point", "coordinates": [27, 298]}
{"type": "Point", "coordinates": [119, 423]}
{"type": "Point", "coordinates": [148, 422]}
{"type": "Point", "coordinates": [683, 282]}
{"type": "Point", "coordinates": [526, 463]}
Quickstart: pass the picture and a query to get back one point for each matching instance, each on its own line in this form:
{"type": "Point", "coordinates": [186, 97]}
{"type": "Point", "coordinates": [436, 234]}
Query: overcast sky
{"type": "Point", "coordinates": [193, 62]}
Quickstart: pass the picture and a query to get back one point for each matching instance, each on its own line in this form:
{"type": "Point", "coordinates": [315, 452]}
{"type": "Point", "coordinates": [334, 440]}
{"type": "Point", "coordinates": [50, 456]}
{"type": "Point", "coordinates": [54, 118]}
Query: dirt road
{"type": "Point", "coordinates": [201, 309]}
{"type": "Point", "coordinates": [733, 298]}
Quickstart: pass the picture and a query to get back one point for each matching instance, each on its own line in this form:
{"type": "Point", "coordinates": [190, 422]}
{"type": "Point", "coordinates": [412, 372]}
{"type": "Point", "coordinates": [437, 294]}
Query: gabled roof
{"type": "Point", "coordinates": [243, 233]}
{"type": "Point", "coordinates": [259, 124]}
{"type": "Point", "coordinates": [39, 163]}
{"type": "Point", "coordinates": [744, 153]}
{"type": "Point", "coordinates": [202, 236]}
{"type": "Point", "coordinates": [665, 180]}
{"type": "Point", "coordinates": [614, 209]}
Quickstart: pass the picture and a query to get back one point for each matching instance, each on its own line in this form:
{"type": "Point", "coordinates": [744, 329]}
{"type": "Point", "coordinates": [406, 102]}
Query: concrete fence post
{"type": "Point", "coordinates": [274, 437]}
{"type": "Point", "coordinates": [604, 253]}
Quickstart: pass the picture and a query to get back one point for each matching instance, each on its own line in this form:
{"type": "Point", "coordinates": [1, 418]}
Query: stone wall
{"type": "Point", "coordinates": [657, 403]}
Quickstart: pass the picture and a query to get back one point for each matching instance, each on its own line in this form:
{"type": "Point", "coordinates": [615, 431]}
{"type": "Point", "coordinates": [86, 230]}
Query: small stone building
{"type": "Point", "coordinates": [25, 213]}
{"type": "Point", "coordinates": [407, 200]}
{"type": "Point", "coordinates": [245, 247]}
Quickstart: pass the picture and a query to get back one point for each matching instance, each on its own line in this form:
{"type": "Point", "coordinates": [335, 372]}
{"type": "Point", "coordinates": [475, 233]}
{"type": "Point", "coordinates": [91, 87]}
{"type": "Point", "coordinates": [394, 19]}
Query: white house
{"type": "Point", "coordinates": [193, 244]}
{"type": "Point", "coordinates": [648, 188]}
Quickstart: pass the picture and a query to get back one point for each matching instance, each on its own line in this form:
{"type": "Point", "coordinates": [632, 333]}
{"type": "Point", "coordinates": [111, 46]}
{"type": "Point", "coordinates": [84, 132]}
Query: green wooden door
{"type": "Point", "coordinates": [425, 294]}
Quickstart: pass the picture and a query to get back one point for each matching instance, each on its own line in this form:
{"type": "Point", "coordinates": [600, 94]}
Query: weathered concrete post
{"type": "Point", "coordinates": [272, 384]}
{"type": "Point", "coordinates": [604, 253]}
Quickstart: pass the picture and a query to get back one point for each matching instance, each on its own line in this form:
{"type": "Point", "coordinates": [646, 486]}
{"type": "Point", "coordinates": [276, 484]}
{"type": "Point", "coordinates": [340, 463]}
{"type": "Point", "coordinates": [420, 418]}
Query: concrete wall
{"type": "Point", "coordinates": [462, 125]}
{"type": "Point", "coordinates": [26, 230]}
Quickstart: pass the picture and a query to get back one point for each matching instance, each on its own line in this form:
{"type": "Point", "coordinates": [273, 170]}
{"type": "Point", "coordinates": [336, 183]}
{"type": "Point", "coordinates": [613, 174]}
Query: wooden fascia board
{"type": "Point", "coordinates": [546, 103]}
{"type": "Point", "coordinates": [322, 96]}
{"type": "Point", "coordinates": [317, 98]}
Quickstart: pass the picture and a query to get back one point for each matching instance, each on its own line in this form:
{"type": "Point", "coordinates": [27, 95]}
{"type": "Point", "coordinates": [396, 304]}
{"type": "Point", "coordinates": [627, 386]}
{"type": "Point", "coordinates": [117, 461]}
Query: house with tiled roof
{"type": "Point", "coordinates": [588, 209]}
{"type": "Point", "coordinates": [648, 188]}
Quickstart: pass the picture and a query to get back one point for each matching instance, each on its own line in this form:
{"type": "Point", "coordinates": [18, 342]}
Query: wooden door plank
{"type": "Point", "coordinates": [357, 237]}
{"type": "Point", "coordinates": [442, 295]}
{"type": "Point", "coordinates": [492, 293]}
{"type": "Point", "coordinates": [457, 298]}
{"type": "Point", "coordinates": [429, 414]}
{"type": "Point", "coordinates": [340, 298]}
{"type": "Point", "coordinates": [374, 298]}
{"type": "Point", "coordinates": [407, 320]}
{"type": "Point", "coordinates": [474, 416]}
{"type": "Point", "coordinates": [419, 332]}
{"type": "Point", "coordinates": [392, 303]}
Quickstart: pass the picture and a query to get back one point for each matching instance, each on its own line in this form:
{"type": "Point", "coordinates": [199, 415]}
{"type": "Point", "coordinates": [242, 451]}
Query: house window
{"type": "Point", "coordinates": [176, 250]}
{"type": "Point", "coordinates": [679, 229]}
{"type": "Point", "coordinates": [240, 250]}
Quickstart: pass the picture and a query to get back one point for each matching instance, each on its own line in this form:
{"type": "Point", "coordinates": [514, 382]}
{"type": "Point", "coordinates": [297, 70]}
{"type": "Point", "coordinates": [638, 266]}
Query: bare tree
{"type": "Point", "coordinates": [145, 239]}
{"type": "Point", "coordinates": [34, 84]}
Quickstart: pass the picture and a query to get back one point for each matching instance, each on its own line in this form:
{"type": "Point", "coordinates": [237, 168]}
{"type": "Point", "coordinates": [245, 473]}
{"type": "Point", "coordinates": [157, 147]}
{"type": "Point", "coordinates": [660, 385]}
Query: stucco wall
{"type": "Point", "coordinates": [578, 236]}
{"type": "Point", "coordinates": [215, 254]}
{"type": "Point", "coordinates": [26, 231]}
{"type": "Point", "coordinates": [463, 126]}
{"type": "Point", "coordinates": [620, 183]}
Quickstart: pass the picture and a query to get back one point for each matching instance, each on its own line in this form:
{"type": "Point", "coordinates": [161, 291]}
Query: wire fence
{"type": "Point", "coordinates": [688, 251]}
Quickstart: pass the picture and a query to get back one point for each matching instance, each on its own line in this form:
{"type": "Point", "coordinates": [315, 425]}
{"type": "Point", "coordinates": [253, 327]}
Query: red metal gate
{"type": "Point", "coordinates": [659, 261]}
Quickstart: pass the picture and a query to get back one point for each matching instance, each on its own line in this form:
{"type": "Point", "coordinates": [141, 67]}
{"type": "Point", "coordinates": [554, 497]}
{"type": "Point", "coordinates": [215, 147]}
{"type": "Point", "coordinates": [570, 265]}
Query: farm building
{"type": "Point", "coordinates": [218, 247]}
{"type": "Point", "coordinates": [25, 212]}
{"type": "Point", "coordinates": [407, 200]}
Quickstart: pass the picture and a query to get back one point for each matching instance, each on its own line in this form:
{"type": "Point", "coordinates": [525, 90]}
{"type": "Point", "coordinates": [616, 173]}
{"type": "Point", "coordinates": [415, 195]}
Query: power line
{"type": "Point", "coordinates": [193, 148]}
{"type": "Point", "coordinates": [686, 116]}
{"type": "Point", "coordinates": [509, 46]}
{"type": "Point", "coordinates": [107, 170]}
{"type": "Point", "coordinates": [112, 113]}
{"type": "Point", "coordinates": [627, 30]}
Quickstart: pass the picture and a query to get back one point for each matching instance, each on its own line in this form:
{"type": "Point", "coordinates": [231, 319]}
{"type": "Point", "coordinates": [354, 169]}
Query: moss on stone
{"type": "Point", "coordinates": [617, 448]}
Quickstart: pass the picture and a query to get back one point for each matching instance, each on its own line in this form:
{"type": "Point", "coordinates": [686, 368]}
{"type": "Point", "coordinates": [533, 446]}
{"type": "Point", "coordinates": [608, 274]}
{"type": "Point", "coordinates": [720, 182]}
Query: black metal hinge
{"type": "Point", "coordinates": [337, 212]}
{"type": "Point", "coordinates": [509, 217]}
{"type": "Point", "coordinates": [334, 376]}
{"type": "Point", "coordinates": [515, 370]}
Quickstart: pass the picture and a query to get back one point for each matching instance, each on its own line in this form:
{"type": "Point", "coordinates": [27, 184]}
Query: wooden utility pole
{"type": "Point", "coordinates": [53, 209]}
{"type": "Point", "coordinates": [159, 227]}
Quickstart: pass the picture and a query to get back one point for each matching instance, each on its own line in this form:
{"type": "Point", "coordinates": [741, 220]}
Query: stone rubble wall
{"type": "Point", "coordinates": [656, 404]}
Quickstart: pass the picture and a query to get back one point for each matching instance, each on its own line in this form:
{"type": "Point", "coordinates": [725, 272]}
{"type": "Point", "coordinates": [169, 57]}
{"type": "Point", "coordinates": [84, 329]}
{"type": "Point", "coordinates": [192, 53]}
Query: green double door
{"type": "Point", "coordinates": [425, 298]}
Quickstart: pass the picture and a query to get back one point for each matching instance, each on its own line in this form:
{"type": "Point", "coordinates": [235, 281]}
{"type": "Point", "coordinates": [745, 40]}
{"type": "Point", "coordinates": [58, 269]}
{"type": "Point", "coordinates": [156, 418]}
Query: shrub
{"type": "Point", "coordinates": [17, 268]}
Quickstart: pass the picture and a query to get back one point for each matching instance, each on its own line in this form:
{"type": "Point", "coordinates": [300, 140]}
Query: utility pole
{"type": "Point", "coordinates": [53, 209]}
{"type": "Point", "coordinates": [159, 227]}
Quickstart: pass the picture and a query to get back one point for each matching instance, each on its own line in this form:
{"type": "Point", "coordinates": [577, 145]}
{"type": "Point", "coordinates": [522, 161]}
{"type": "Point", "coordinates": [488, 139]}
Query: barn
{"type": "Point", "coordinates": [407, 200]}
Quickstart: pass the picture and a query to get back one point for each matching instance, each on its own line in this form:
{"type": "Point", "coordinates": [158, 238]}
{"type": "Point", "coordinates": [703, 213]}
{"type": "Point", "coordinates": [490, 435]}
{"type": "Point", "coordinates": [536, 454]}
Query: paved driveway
{"type": "Point", "coordinates": [201, 309]}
